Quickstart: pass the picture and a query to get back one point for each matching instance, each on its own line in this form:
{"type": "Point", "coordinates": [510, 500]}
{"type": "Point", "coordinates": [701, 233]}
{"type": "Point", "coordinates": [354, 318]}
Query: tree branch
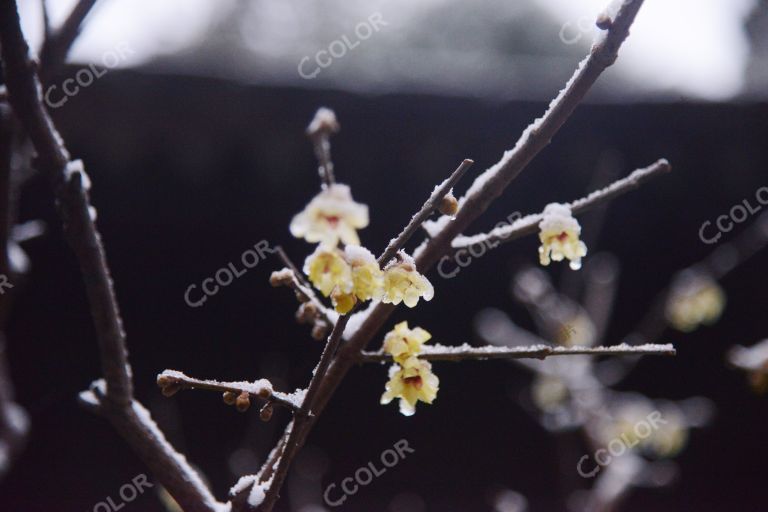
{"type": "Point", "coordinates": [423, 214]}
{"type": "Point", "coordinates": [115, 400]}
{"type": "Point", "coordinates": [261, 389]}
{"type": "Point", "coordinates": [469, 353]}
{"type": "Point", "coordinates": [58, 43]}
{"type": "Point", "coordinates": [530, 224]}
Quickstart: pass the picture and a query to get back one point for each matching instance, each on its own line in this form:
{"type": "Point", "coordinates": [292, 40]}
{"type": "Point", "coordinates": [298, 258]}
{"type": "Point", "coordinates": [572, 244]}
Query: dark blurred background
{"type": "Point", "coordinates": [191, 170]}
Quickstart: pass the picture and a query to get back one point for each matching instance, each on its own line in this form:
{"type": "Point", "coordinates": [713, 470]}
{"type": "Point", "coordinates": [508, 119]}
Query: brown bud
{"type": "Point", "coordinates": [243, 401]}
{"type": "Point", "coordinates": [306, 313]}
{"type": "Point", "coordinates": [604, 22]}
{"type": "Point", "coordinates": [164, 380]}
{"type": "Point", "coordinates": [282, 277]}
{"type": "Point", "coordinates": [171, 389]}
{"type": "Point", "coordinates": [264, 393]}
{"type": "Point", "coordinates": [319, 331]}
{"type": "Point", "coordinates": [266, 412]}
{"type": "Point", "coordinates": [229, 397]}
{"type": "Point", "coordinates": [448, 205]}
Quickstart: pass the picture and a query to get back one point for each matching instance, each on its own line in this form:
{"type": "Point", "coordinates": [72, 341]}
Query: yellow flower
{"type": "Point", "coordinates": [402, 283]}
{"type": "Point", "coordinates": [559, 235]}
{"type": "Point", "coordinates": [411, 382]}
{"type": "Point", "coordinates": [328, 271]}
{"type": "Point", "coordinates": [331, 216]}
{"type": "Point", "coordinates": [694, 300]}
{"type": "Point", "coordinates": [402, 342]}
{"type": "Point", "coordinates": [343, 302]}
{"type": "Point", "coordinates": [367, 277]}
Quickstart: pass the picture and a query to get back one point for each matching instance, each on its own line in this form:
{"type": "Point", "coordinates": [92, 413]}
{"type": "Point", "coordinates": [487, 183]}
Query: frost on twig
{"type": "Point", "coordinates": [235, 393]}
{"type": "Point", "coordinates": [468, 352]}
{"type": "Point", "coordinates": [529, 224]}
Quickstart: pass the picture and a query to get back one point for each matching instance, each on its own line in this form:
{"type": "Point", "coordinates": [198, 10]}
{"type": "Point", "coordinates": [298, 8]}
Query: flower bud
{"type": "Point", "coordinates": [448, 205]}
{"type": "Point", "coordinates": [243, 402]}
{"type": "Point", "coordinates": [171, 389]}
{"type": "Point", "coordinates": [229, 397]}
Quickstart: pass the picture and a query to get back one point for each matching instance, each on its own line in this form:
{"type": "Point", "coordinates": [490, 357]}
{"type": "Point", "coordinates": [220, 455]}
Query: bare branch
{"type": "Point", "coordinates": [423, 214]}
{"type": "Point", "coordinates": [58, 43]}
{"type": "Point", "coordinates": [469, 353]}
{"type": "Point", "coordinates": [116, 400]}
{"type": "Point", "coordinates": [136, 426]}
{"type": "Point", "coordinates": [529, 224]}
{"type": "Point", "coordinates": [323, 125]}
{"type": "Point", "coordinates": [262, 389]}
{"type": "Point", "coordinates": [305, 291]}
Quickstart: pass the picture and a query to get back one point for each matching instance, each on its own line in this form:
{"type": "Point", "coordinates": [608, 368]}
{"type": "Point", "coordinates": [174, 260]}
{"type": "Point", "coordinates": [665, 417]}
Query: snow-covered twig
{"type": "Point", "coordinates": [423, 214]}
{"type": "Point", "coordinates": [262, 389]}
{"type": "Point", "coordinates": [304, 290]}
{"type": "Point", "coordinates": [467, 352]}
{"type": "Point", "coordinates": [530, 224]}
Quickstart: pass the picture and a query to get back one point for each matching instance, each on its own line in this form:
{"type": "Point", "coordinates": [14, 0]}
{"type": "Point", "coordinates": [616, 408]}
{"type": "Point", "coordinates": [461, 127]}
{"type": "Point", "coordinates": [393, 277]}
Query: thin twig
{"type": "Point", "coordinates": [530, 224]}
{"type": "Point", "coordinates": [423, 214]}
{"type": "Point", "coordinates": [469, 353]}
{"type": "Point", "coordinates": [303, 288]}
{"type": "Point", "coordinates": [58, 43]}
{"type": "Point", "coordinates": [302, 419]}
{"type": "Point", "coordinates": [262, 390]}
{"type": "Point", "coordinates": [116, 402]}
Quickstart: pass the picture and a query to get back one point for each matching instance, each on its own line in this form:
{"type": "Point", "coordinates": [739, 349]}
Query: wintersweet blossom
{"type": "Point", "coordinates": [402, 283]}
{"type": "Point", "coordinates": [411, 382]}
{"type": "Point", "coordinates": [328, 271]}
{"type": "Point", "coordinates": [694, 299]}
{"type": "Point", "coordinates": [367, 277]}
{"type": "Point", "coordinates": [664, 436]}
{"type": "Point", "coordinates": [343, 302]}
{"type": "Point", "coordinates": [402, 342]}
{"type": "Point", "coordinates": [559, 235]}
{"type": "Point", "coordinates": [332, 215]}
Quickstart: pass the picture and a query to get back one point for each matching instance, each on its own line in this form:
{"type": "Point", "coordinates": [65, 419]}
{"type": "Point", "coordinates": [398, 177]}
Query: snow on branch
{"type": "Point", "coordinates": [432, 203]}
{"type": "Point", "coordinates": [467, 352]}
{"type": "Point", "coordinates": [529, 224]}
{"type": "Point", "coordinates": [171, 381]}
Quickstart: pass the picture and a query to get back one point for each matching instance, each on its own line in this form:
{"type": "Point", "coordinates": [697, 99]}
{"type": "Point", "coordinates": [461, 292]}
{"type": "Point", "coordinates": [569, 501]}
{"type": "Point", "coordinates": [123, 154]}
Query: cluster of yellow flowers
{"type": "Point", "coordinates": [410, 378]}
{"type": "Point", "coordinates": [351, 273]}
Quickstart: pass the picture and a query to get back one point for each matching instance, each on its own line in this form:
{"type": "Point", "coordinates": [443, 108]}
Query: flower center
{"type": "Point", "coordinates": [333, 220]}
{"type": "Point", "coordinates": [562, 236]}
{"type": "Point", "coordinates": [414, 381]}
